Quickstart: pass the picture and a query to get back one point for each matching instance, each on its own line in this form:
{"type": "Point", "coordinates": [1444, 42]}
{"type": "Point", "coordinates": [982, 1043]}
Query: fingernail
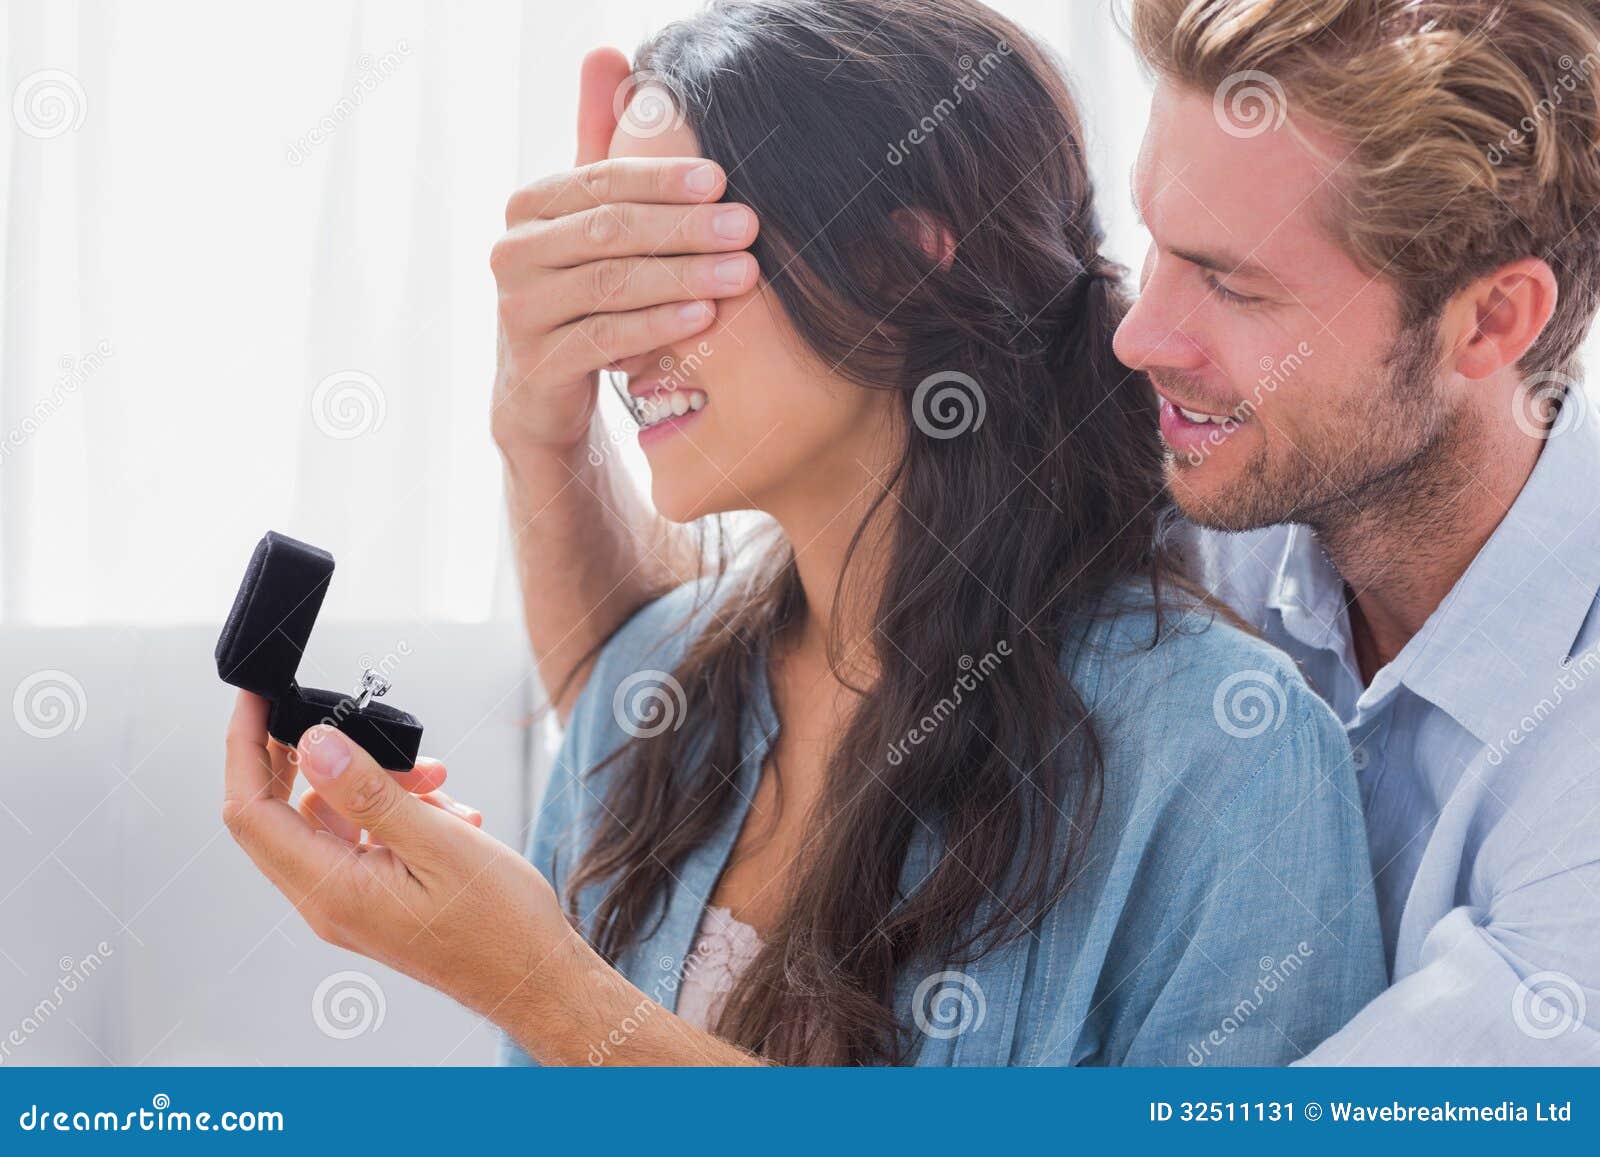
{"type": "Point", "coordinates": [700, 179]}
{"type": "Point", "coordinates": [731, 270]}
{"type": "Point", "coordinates": [329, 752]}
{"type": "Point", "coordinates": [693, 311]}
{"type": "Point", "coordinates": [730, 223]}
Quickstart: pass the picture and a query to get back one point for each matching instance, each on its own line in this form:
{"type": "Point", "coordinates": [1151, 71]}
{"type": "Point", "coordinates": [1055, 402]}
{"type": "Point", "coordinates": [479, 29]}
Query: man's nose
{"type": "Point", "coordinates": [1154, 335]}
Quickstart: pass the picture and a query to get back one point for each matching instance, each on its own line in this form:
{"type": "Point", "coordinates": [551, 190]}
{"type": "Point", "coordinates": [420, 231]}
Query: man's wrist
{"type": "Point", "coordinates": [529, 458]}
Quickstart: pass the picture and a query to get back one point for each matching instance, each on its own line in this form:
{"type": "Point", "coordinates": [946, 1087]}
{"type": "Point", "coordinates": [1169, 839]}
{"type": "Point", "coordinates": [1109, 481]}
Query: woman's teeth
{"type": "Point", "coordinates": [657, 408]}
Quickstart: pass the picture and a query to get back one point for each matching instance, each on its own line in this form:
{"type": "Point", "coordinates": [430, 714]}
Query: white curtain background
{"type": "Point", "coordinates": [244, 257]}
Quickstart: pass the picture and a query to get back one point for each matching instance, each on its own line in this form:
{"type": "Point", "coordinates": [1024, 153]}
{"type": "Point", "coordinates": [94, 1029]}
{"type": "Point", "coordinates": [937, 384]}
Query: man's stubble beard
{"type": "Point", "coordinates": [1400, 459]}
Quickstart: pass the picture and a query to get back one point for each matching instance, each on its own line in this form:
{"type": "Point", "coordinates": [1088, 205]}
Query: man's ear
{"type": "Point", "coordinates": [929, 233]}
{"type": "Point", "coordinates": [1504, 314]}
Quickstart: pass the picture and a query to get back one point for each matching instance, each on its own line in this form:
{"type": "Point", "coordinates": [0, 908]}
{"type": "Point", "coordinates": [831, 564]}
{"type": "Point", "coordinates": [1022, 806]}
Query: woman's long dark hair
{"type": "Point", "coordinates": [1030, 483]}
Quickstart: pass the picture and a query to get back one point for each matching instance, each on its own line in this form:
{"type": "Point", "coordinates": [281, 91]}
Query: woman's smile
{"type": "Point", "coordinates": [661, 409]}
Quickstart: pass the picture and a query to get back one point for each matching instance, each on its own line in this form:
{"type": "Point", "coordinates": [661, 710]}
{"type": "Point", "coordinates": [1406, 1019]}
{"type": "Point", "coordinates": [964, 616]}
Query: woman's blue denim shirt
{"type": "Point", "coordinates": [1221, 913]}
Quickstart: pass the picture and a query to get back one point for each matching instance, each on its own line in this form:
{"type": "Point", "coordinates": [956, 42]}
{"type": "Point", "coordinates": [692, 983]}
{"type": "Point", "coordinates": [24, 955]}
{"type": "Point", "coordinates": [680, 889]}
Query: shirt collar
{"type": "Point", "coordinates": [1308, 592]}
{"type": "Point", "coordinates": [1510, 622]}
{"type": "Point", "coordinates": [1508, 625]}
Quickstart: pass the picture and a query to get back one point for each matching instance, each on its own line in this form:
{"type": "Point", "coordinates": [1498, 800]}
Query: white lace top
{"type": "Point", "coordinates": [723, 949]}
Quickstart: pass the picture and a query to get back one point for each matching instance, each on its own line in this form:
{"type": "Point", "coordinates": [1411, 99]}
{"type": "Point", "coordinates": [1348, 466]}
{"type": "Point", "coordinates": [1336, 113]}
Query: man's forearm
{"type": "Point", "coordinates": [590, 551]}
{"type": "Point", "coordinates": [1468, 1005]}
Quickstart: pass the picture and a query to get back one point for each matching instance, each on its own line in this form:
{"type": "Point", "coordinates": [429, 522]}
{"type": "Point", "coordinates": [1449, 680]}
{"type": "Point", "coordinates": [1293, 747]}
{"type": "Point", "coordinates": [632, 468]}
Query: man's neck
{"type": "Point", "coordinates": [1400, 557]}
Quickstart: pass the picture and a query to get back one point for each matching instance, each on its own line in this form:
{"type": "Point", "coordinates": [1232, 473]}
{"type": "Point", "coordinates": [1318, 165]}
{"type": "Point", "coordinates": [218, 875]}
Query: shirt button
{"type": "Point", "coordinates": [1359, 759]}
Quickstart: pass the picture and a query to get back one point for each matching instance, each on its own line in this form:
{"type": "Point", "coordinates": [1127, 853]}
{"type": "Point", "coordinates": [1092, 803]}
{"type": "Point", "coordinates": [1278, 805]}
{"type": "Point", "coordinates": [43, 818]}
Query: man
{"type": "Point", "coordinates": [1374, 257]}
{"type": "Point", "coordinates": [1392, 204]}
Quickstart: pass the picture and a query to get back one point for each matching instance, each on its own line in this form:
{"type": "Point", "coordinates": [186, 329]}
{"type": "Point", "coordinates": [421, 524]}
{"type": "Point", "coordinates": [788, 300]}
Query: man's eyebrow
{"type": "Point", "coordinates": [1223, 263]}
{"type": "Point", "coordinates": [1217, 262]}
{"type": "Point", "coordinates": [1220, 263]}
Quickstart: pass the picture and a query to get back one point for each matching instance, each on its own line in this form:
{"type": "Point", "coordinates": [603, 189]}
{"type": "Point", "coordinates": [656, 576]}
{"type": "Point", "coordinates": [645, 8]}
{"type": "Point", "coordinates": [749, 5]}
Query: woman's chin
{"type": "Point", "coordinates": [681, 502]}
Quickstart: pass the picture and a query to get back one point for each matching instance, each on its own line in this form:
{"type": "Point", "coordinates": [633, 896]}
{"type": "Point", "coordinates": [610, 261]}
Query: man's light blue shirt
{"type": "Point", "coordinates": [1477, 752]}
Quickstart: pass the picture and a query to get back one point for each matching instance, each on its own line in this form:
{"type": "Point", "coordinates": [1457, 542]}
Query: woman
{"type": "Point", "coordinates": [926, 732]}
{"type": "Point", "coordinates": [954, 769]}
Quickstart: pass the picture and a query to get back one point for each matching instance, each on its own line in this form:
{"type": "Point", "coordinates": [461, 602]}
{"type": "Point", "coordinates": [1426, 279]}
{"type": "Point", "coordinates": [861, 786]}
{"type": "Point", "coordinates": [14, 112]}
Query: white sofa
{"type": "Point", "coordinates": [110, 835]}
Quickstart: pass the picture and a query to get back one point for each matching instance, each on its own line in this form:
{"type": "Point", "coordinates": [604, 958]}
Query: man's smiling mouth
{"type": "Point", "coordinates": [1200, 418]}
{"type": "Point", "coordinates": [1195, 434]}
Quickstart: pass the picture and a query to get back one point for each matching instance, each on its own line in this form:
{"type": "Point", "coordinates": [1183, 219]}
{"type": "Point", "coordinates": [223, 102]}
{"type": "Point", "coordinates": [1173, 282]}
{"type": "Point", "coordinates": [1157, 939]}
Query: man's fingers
{"type": "Point", "coordinates": [601, 77]}
{"type": "Point", "coordinates": [584, 242]}
{"type": "Point", "coordinates": [621, 284]}
{"type": "Point", "coordinates": [649, 180]}
{"type": "Point", "coordinates": [626, 230]}
{"type": "Point", "coordinates": [607, 338]}
{"type": "Point", "coordinates": [353, 783]}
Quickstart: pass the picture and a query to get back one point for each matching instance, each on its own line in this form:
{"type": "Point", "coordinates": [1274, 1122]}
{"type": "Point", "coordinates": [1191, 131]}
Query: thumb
{"type": "Point", "coordinates": [356, 787]}
{"type": "Point", "coordinates": [604, 72]}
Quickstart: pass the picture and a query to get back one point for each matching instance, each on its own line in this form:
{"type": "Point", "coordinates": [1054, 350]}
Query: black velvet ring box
{"type": "Point", "coordinates": [264, 637]}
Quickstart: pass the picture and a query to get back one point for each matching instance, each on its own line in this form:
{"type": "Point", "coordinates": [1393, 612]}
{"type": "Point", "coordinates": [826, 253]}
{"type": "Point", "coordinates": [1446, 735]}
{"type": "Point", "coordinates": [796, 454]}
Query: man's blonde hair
{"type": "Point", "coordinates": [1474, 126]}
